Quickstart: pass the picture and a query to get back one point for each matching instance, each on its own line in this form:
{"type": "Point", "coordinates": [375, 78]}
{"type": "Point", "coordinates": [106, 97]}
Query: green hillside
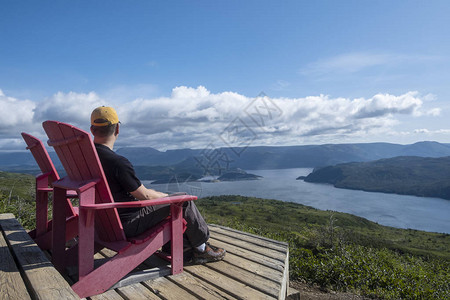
{"type": "Point", "coordinates": [343, 252]}
{"type": "Point", "coordinates": [16, 196]}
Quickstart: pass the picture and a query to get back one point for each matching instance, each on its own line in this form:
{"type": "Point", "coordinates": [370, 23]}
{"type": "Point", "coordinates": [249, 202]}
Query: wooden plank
{"type": "Point", "coordinates": [11, 283]}
{"type": "Point", "coordinates": [167, 289]}
{"type": "Point", "coordinates": [250, 255]}
{"type": "Point", "coordinates": [136, 292]}
{"type": "Point", "coordinates": [244, 270]}
{"type": "Point", "coordinates": [220, 231]}
{"type": "Point", "coordinates": [254, 248]}
{"type": "Point", "coordinates": [261, 270]}
{"type": "Point", "coordinates": [135, 277]}
{"type": "Point", "coordinates": [284, 290]}
{"type": "Point", "coordinates": [269, 277]}
{"type": "Point", "coordinates": [283, 278]}
{"type": "Point", "coordinates": [108, 295]}
{"type": "Point", "coordinates": [44, 281]}
{"type": "Point", "coordinates": [252, 238]}
{"type": "Point", "coordinates": [152, 268]}
{"type": "Point", "coordinates": [153, 262]}
{"type": "Point", "coordinates": [225, 283]}
{"type": "Point", "coordinates": [247, 277]}
{"type": "Point", "coordinates": [201, 289]}
{"type": "Point", "coordinates": [72, 271]}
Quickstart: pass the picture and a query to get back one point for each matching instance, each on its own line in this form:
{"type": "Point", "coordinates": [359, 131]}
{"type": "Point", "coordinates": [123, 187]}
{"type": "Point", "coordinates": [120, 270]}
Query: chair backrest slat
{"type": "Point", "coordinates": [41, 156]}
{"type": "Point", "coordinates": [79, 158]}
{"type": "Point", "coordinates": [45, 163]}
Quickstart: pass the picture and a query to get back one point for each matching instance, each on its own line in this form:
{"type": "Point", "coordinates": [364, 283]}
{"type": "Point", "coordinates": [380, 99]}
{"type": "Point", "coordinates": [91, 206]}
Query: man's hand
{"type": "Point", "coordinates": [143, 193]}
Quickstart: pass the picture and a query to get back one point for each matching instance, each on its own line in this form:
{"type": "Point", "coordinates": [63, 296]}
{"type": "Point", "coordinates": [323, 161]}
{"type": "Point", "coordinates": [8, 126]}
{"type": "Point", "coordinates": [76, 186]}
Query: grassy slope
{"type": "Point", "coordinates": [343, 252]}
{"type": "Point", "coordinates": [16, 194]}
{"type": "Point", "coordinates": [277, 216]}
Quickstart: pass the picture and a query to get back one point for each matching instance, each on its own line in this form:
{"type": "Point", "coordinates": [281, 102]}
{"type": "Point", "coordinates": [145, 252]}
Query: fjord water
{"type": "Point", "coordinates": [401, 211]}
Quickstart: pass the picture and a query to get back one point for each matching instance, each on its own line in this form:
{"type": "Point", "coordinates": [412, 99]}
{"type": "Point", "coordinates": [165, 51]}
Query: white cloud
{"type": "Point", "coordinates": [280, 85]}
{"type": "Point", "coordinates": [443, 131]}
{"type": "Point", "coordinates": [434, 112]}
{"type": "Point", "coordinates": [382, 105]}
{"type": "Point", "coordinates": [74, 108]}
{"type": "Point", "coordinates": [120, 93]}
{"type": "Point", "coordinates": [421, 130]}
{"type": "Point", "coordinates": [433, 132]}
{"type": "Point", "coordinates": [15, 113]}
{"type": "Point", "coordinates": [354, 62]}
{"type": "Point", "coordinates": [195, 117]}
{"type": "Point", "coordinates": [349, 63]}
{"type": "Point", "coordinates": [429, 97]}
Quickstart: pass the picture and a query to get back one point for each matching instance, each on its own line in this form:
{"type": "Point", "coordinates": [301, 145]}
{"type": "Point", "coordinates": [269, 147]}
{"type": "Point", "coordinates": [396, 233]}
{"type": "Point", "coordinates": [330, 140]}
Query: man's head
{"type": "Point", "coordinates": [104, 122]}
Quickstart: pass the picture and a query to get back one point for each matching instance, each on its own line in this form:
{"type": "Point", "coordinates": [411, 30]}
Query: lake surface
{"type": "Point", "coordinates": [429, 214]}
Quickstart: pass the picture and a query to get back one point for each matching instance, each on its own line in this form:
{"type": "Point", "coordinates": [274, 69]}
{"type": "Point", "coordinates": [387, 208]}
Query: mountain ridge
{"type": "Point", "coordinates": [258, 157]}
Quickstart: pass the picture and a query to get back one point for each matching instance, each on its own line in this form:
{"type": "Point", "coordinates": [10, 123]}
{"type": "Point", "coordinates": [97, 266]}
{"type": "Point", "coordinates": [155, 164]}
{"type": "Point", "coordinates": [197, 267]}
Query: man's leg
{"type": "Point", "coordinates": [145, 218]}
{"type": "Point", "coordinates": [196, 232]}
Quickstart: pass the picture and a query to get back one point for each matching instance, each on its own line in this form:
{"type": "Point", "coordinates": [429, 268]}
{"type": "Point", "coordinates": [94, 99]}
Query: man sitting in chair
{"type": "Point", "coordinates": [125, 186]}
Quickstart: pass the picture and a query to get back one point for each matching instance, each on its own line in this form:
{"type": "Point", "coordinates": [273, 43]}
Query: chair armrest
{"type": "Point", "coordinates": [43, 175]}
{"type": "Point", "coordinates": [142, 203]}
{"type": "Point", "coordinates": [67, 184]}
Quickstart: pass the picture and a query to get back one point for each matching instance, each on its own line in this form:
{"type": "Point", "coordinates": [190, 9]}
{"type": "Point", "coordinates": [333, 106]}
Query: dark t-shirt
{"type": "Point", "coordinates": [121, 178]}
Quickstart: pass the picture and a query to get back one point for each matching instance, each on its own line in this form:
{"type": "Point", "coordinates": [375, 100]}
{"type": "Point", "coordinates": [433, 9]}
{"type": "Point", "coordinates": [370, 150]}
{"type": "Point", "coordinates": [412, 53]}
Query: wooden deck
{"type": "Point", "coordinates": [254, 268]}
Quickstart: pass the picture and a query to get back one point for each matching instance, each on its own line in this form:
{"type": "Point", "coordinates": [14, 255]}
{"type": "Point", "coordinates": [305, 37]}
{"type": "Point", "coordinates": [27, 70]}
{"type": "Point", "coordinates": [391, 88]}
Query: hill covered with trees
{"type": "Point", "coordinates": [409, 175]}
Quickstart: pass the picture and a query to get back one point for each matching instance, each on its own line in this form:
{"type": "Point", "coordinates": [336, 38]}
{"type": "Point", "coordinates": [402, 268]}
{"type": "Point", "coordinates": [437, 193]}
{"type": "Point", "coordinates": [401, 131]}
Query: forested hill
{"type": "Point", "coordinates": [409, 175]}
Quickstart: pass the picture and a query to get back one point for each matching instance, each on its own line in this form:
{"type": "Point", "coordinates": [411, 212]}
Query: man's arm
{"type": "Point", "coordinates": [143, 193]}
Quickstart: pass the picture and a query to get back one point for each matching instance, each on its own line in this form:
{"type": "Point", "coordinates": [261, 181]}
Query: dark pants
{"type": "Point", "coordinates": [196, 232]}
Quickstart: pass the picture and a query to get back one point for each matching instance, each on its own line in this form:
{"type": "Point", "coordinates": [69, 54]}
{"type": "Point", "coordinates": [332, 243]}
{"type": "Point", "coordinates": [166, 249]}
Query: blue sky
{"type": "Point", "coordinates": [179, 72]}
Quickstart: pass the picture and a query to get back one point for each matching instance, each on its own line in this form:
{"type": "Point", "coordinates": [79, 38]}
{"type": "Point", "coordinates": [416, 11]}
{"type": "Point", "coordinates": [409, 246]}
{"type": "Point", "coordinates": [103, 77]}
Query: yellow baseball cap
{"type": "Point", "coordinates": [104, 116]}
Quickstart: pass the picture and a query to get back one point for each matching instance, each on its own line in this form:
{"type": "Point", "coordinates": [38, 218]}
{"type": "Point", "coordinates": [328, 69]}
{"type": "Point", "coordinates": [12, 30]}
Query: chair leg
{"type": "Point", "coordinates": [41, 206]}
{"type": "Point", "coordinates": [59, 229]}
{"type": "Point", "coordinates": [177, 238]}
{"type": "Point", "coordinates": [86, 234]}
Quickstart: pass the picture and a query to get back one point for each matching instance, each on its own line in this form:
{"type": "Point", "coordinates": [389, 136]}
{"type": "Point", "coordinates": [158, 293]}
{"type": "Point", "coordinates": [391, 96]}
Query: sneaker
{"type": "Point", "coordinates": [210, 254]}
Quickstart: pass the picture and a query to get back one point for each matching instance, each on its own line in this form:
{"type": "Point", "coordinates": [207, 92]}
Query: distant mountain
{"type": "Point", "coordinates": [279, 157]}
{"type": "Point", "coordinates": [410, 175]}
{"type": "Point", "coordinates": [258, 157]}
{"type": "Point", "coordinates": [425, 149]}
{"type": "Point", "coordinates": [147, 156]}
{"type": "Point", "coordinates": [187, 170]}
{"type": "Point", "coordinates": [21, 158]}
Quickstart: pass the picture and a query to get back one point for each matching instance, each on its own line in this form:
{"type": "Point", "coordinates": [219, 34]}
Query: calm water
{"type": "Point", "coordinates": [429, 214]}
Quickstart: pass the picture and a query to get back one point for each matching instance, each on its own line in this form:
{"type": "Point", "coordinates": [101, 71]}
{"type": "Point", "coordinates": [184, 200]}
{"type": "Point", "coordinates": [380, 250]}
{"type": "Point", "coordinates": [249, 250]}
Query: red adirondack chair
{"type": "Point", "coordinates": [42, 233]}
{"type": "Point", "coordinates": [85, 175]}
